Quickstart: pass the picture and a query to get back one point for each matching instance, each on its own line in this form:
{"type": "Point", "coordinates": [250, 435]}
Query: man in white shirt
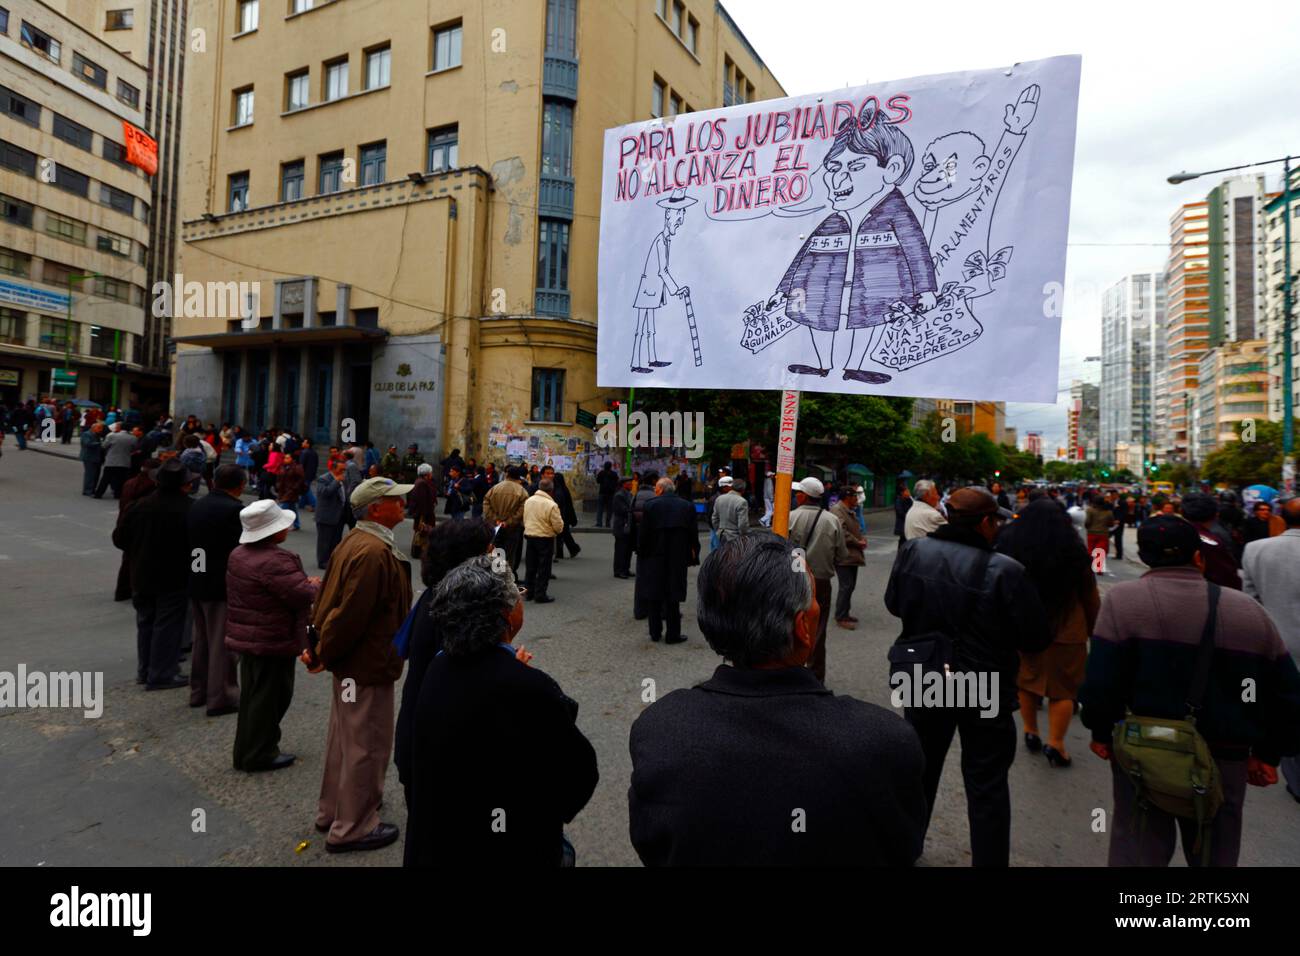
{"type": "Point", "coordinates": [924, 516]}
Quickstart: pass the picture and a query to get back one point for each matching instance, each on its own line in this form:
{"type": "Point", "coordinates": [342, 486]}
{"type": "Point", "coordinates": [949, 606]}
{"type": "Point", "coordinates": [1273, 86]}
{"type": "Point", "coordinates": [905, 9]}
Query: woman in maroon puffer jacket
{"type": "Point", "coordinates": [268, 596]}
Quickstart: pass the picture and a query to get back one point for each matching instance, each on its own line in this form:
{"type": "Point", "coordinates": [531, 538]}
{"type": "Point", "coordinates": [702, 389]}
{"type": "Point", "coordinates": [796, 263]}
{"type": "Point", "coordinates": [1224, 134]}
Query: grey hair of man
{"type": "Point", "coordinates": [922, 488]}
{"type": "Point", "coordinates": [470, 605]}
{"type": "Point", "coordinates": [665, 486]}
{"type": "Point", "coordinates": [546, 485]}
{"type": "Point", "coordinates": [425, 469]}
{"type": "Point", "coordinates": [749, 591]}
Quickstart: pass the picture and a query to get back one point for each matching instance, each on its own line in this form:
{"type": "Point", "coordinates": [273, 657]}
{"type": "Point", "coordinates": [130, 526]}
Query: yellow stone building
{"type": "Point", "coordinates": [391, 210]}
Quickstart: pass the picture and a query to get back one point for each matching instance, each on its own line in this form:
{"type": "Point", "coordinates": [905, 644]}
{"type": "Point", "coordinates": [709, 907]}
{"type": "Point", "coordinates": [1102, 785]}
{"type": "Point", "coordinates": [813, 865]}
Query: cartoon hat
{"type": "Point", "coordinates": [678, 200]}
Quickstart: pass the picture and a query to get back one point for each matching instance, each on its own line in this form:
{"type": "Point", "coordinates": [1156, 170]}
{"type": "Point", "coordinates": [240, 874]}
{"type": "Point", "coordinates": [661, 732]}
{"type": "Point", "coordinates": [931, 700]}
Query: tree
{"type": "Point", "coordinates": [1257, 462]}
{"type": "Point", "coordinates": [1058, 471]}
{"type": "Point", "coordinates": [877, 429]}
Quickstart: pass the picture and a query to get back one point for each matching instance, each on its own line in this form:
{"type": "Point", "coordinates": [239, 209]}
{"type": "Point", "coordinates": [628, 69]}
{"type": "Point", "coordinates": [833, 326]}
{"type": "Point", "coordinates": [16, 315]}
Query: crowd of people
{"type": "Point", "coordinates": [985, 583]}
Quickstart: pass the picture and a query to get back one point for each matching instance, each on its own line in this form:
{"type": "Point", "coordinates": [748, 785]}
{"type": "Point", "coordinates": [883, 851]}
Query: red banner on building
{"type": "Point", "coordinates": [141, 148]}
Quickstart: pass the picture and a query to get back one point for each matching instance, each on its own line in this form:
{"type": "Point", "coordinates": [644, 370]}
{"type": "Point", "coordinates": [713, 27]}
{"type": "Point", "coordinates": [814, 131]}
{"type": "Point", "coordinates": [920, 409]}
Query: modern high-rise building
{"type": "Point", "coordinates": [1034, 443]}
{"type": "Point", "coordinates": [1187, 324]}
{"type": "Point", "coordinates": [1274, 274]}
{"type": "Point", "coordinates": [1083, 420]}
{"type": "Point", "coordinates": [75, 235]}
{"type": "Point", "coordinates": [1132, 310]}
{"type": "Point", "coordinates": [410, 195]}
{"type": "Point", "coordinates": [1235, 218]}
{"type": "Point", "coordinates": [1232, 387]}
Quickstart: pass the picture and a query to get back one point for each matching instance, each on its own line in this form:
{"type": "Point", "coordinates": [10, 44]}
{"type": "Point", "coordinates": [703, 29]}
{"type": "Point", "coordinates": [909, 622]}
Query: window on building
{"type": "Point", "coordinates": [379, 68]}
{"type": "Point", "coordinates": [103, 342]}
{"type": "Point", "coordinates": [247, 15]}
{"type": "Point", "coordinates": [297, 90]}
{"type": "Point", "coordinates": [679, 11]}
{"type": "Point", "coordinates": [74, 133]}
{"type": "Point", "coordinates": [41, 42]}
{"type": "Point", "coordinates": [443, 148]}
{"type": "Point", "coordinates": [14, 263]}
{"type": "Point", "coordinates": [119, 19]}
{"type": "Point", "coordinates": [301, 6]}
{"type": "Point", "coordinates": [64, 228]}
{"type": "Point", "coordinates": [365, 318]}
{"type": "Point", "coordinates": [91, 72]}
{"type": "Point", "coordinates": [291, 180]}
{"type": "Point", "coordinates": [20, 107]}
{"type": "Point", "coordinates": [114, 152]}
{"type": "Point", "coordinates": [557, 138]}
{"type": "Point", "coordinates": [18, 159]}
{"type": "Point", "coordinates": [374, 163]}
{"type": "Point", "coordinates": [13, 327]}
{"type": "Point", "coordinates": [57, 274]}
{"type": "Point", "coordinates": [562, 27]}
{"type": "Point", "coordinates": [446, 47]}
{"type": "Point", "coordinates": [692, 34]}
{"type": "Point", "coordinates": [238, 192]}
{"type": "Point", "coordinates": [128, 94]}
{"type": "Point", "coordinates": [71, 181]}
{"type": "Point", "coordinates": [58, 333]}
{"type": "Point", "coordinates": [242, 114]}
{"type": "Point", "coordinates": [661, 8]}
{"type": "Point", "coordinates": [336, 79]}
{"type": "Point", "coordinates": [116, 198]}
{"type": "Point", "coordinates": [674, 105]}
{"type": "Point", "coordinates": [552, 255]}
{"type": "Point", "coordinates": [111, 288]}
{"type": "Point", "coordinates": [113, 244]}
{"type": "Point", "coordinates": [144, 211]}
{"type": "Point", "coordinates": [331, 173]}
{"type": "Point", "coordinates": [4, 21]}
{"type": "Point", "coordinates": [658, 94]}
{"type": "Point", "coordinates": [15, 211]}
{"type": "Point", "coordinates": [548, 395]}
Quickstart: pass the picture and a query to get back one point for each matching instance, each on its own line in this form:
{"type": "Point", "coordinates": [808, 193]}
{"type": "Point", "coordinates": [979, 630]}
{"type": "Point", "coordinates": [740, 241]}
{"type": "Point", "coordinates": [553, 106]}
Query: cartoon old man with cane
{"type": "Point", "coordinates": [657, 283]}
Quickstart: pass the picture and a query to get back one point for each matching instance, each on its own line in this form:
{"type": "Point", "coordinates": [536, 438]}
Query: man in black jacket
{"type": "Point", "coordinates": [762, 765]}
{"type": "Point", "coordinates": [951, 587]}
{"type": "Point", "coordinates": [214, 529]}
{"type": "Point", "coordinates": [621, 509]}
{"type": "Point", "coordinates": [668, 542]}
{"type": "Point", "coordinates": [155, 536]}
{"type": "Point", "coordinates": [607, 484]}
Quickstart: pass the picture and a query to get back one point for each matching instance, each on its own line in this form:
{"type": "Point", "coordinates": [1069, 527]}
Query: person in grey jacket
{"type": "Point", "coordinates": [331, 507]}
{"type": "Point", "coordinates": [117, 461]}
{"type": "Point", "coordinates": [92, 457]}
{"type": "Point", "coordinates": [730, 510]}
{"type": "Point", "coordinates": [818, 533]}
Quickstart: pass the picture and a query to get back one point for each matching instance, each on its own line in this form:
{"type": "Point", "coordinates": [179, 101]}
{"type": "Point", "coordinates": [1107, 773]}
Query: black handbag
{"type": "Point", "coordinates": [936, 651]}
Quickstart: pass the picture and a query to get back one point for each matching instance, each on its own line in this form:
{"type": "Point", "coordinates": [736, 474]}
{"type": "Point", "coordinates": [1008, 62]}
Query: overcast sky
{"type": "Point", "coordinates": [1165, 88]}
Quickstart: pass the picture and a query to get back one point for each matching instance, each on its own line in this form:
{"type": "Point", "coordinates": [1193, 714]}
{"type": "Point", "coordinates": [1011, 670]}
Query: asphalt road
{"type": "Point", "coordinates": [124, 789]}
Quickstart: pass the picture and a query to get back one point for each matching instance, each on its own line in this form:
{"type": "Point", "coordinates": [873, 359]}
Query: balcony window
{"type": "Point", "coordinates": [20, 107]}
{"type": "Point", "coordinates": [248, 10]}
{"type": "Point", "coordinates": [243, 108]}
{"type": "Point", "coordinates": [297, 91]}
{"type": "Point", "coordinates": [15, 211]}
{"type": "Point", "coordinates": [92, 73]}
{"type": "Point", "coordinates": [374, 163]}
{"type": "Point", "coordinates": [379, 68]}
{"type": "Point", "coordinates": [238, 192]}
{"type": "Point", "coordinates": [336, 80]}
{"type": "Point", "coordinates": [557, 139]}
{"type": "Point", "coordinates": [119, 19]}
{"type": "Point", "coordinates": [443, 149]}
{"type": "Point", "coordinates": [552, 255]}
{"type": "Point", "coordinates": [331, 173]}
{"type": "Point", "coordinates": [446, 47]}
{"type": "Point", "coordinates": [548, 395]}
{"type": "Point", "coordinates": [74, 133]}
{"type": "Point", "coordinates": [116, 198]}
{"type": "Point", "coordinates": [291, 180]}
{"type": "Point", "coordinates": [128, 94]}
{"type": "Point", "coordinates": [562, 27]}
{"type": "Point", "coordinates": [41, 42]}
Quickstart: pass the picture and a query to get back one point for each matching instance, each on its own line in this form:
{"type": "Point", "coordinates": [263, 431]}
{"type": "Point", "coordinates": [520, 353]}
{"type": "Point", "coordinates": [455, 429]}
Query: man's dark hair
{"type": "Point", "coordinates": [608, 465]}
{"type": "Point", "coordinates": [1199, 507]}
{"type": "Point", "coordinates": [469, 607]}
{"type": "Point", "coordinates": [649, 477]}
{"type": "Point", "coordinates": [191, 441]}
{"type": "Point", "coordinates": [1168, 541]}
{"type": "Point", "coordinates": [230, 477]}
{"type": "Point", "coordinates": [450, 543]}
{"type": "Point", "coordinates": [880, 140]}
{"type": "Point", "coordinates": [749, 591]}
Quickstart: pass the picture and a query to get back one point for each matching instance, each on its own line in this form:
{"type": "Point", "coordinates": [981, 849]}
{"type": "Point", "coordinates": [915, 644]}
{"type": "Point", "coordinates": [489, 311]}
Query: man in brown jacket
{"type": "Point", "coordinates": [846, 568]}
{"type": "Point", "coordinates": [543, 523]}
{"type": "Point", "coordinates": [363, 601]}
{"type": "Point", "coordinates": [504, 506]}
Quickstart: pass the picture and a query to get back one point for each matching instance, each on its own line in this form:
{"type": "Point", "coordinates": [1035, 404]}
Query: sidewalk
{"type": "Point", "coordinates": [72, 451]}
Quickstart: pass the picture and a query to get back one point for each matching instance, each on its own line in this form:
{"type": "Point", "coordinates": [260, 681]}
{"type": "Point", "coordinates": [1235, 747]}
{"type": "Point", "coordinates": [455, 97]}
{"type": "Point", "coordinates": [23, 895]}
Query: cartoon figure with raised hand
{"type": "Point", "coordinates": [657, 283]}
{"type": "Point", "coordinates": [828, 290]}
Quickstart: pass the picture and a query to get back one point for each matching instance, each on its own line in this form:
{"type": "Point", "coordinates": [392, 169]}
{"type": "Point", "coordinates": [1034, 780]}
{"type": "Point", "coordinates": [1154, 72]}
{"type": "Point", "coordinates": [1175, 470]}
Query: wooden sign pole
{"type": "Point", "coordinates": [785, 462]}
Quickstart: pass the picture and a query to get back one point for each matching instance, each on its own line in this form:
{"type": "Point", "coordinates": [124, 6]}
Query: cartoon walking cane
{"type": "Point", "coordinates": [657, 283]}
{"type": "Point", "coordinates": [690, 318]}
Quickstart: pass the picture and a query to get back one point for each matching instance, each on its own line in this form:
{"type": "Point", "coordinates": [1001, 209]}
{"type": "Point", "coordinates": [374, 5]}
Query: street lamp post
{"type": "Point", "coordinates": [1288, 424]}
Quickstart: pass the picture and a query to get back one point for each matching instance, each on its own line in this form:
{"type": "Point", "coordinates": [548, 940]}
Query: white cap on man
{"type": "Point", "coordinates": [809, 486]}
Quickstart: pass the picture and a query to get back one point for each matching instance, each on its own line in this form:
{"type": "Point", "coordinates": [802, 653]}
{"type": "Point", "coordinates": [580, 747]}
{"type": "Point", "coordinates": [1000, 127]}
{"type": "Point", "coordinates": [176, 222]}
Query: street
{"type": "Point", "coordinates": [125, 789]}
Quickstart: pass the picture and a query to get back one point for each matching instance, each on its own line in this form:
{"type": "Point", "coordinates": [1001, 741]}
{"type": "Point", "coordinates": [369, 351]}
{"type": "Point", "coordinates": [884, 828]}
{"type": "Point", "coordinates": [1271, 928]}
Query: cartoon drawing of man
{"type": "Point", "coordinates": [826, 289]}
{"type": "Point", "coordinates": [657, 283]}
{"type": "Point", "coordinates": [958, 189]}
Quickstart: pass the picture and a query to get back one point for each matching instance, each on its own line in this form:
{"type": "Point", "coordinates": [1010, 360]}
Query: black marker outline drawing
{"type": "Point", "coordinates": [828, 291]}
{"type": "Point", "coordinates": [656, 282]}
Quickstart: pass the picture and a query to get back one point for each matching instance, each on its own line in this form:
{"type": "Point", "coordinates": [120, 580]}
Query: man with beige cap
{"type": "Point", "coordinates": [364, 600]}
{"type": "Point", "coordinates": [818, 533]}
